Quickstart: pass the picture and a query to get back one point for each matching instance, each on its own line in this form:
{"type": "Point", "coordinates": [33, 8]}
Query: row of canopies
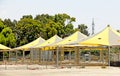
{"type": "Point", "coordinates": [54, 41]}
{"type": "Point", "coordinates": [107, 37]}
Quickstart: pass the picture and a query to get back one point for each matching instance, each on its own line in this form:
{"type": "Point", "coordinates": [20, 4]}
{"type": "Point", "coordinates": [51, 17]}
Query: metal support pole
{"type": "Point", "coordinates": [100, 55]}
{"type": "Point", "coordinates": [3, 55]}
{"type": "Point", "coordinates": [48, 56]}
{"type": "Point", "coordinates": [62, 54]}
{"type": "Point", "coordinates": [30, 55]}
{"type": "Point", "coordinates": [109, 56]}
{"type": "Point", "coordinates": [45, 57]}
{"type": "Point", "coordinates": [4, 61]}
{"type": "Point", "coordinates": [23, 56]}
{"type": "Point", "coordinates": [70, 56]}
{"type": "Point", "coordinates": [77, 55]}
{"type": "Point", "coordinates": [9, 55]}
{"type": "Point", "coordinates": [39, 55]}
{"type": "Point", "coordinates": [57, 57]}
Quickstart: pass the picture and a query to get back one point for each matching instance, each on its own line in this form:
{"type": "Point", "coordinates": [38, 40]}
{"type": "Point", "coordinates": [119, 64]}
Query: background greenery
{"type": "Point", "coordinates": [26, 29]}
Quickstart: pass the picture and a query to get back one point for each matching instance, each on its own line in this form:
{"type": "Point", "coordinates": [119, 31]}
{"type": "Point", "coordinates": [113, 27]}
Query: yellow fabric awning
{"type": "Point", "coordinates": [31, 44]}
{"type": "Point", "coordinates": [3, 47]}
{"type": "Point", "coordinates": [72, 39]}
{"type": "Point", "coordinates": [49, 42]}
{"type": "Point", "coordinates": [107, 37]}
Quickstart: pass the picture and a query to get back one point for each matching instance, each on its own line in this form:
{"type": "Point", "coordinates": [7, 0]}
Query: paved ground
{"type": "Point", "coordinates": [87, 71]}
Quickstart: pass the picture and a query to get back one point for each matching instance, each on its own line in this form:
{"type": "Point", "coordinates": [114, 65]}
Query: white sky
{"type": "Point", "coordinates": [104, 12]}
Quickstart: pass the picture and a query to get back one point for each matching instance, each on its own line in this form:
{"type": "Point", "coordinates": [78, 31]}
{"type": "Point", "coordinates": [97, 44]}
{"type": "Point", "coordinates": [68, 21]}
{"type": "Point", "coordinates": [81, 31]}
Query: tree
{"type": "Point", "coordinates": [44, 18]}
{"type": "Point", "coordinates": [83, 29]}
{"type": "Point", "coordinates": [60, 24]}
{"type": "Point", "coordinates": [69, 29]}
{"type": "Point", "coordinates": [66, 21]}
{"type": "Point", "coordinates": [7, 37]}
{"type": "Point", "coordinates": [27, 16]}
{"type": "Point", "coordinates": [9, 23]}
{"type": "Point", "coordinates": [2, 26]}
{"type": "Point", "coordinates": [27, 30]}
{"type": "Point", "coordinates": [50, 29]}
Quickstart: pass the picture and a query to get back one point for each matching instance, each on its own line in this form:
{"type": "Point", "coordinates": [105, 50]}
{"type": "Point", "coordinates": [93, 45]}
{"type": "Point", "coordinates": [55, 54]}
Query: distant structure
{"type": "Point", "coordinates": [93, 25]}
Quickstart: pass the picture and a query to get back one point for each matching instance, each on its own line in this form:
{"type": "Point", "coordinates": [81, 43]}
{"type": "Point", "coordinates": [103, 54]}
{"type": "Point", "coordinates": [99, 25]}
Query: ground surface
{"type": "Point", "coordinates": [74, 71]}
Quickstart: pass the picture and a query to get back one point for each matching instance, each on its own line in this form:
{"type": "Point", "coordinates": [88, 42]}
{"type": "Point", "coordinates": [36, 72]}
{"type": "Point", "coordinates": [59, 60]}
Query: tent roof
{"type": "Point", "coordinates": [32, 44]}
{"type": "Point", "coordinates": [72, 39]}
{"type": "Point", "coordinates": [3, 47]}
{"type": "Point", "coordinates": [107, 37]}
{"type": "Point", "coordinates": [50, 41]}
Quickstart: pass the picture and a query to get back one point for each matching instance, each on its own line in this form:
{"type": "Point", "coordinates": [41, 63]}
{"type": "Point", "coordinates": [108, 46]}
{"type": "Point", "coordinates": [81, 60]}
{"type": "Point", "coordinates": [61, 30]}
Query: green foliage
{"type": "Point", "coordinates": [16, 33]}
{"type": "Point", "coordinates": [9, 23]}
{"type": "Point", "coordinates": [27, 16]}
{"type": "Point", "coordinates": [83, 29]}
{"type": "Point", "coordinates": [69, 29]}
{"type": "Point", "coordinates": [27, 30]}
{"type": "Point", "coordinates": [7, 37]}
{"type": "Point", "coordinates": [93, 52]}
{"type": "Point", "coordinates": [60, 24]}
{"type": "Point", "coordinates": [114, 50]}
{"type": "Point", "coordinates": [6, 54]}
{"type": "Point", "coordinates": [2, 26]}
{"type": "Point", "coordinates": [2, 39]}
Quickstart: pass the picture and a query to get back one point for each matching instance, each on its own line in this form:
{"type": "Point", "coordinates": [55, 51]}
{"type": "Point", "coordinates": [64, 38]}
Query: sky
{"type": "Point", "coordinates": [104, 12]}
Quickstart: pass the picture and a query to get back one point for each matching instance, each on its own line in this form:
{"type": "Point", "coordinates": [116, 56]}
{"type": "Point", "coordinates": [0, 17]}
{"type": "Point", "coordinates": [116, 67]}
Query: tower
{"type": "Point", "coordinates": [93, 25]}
